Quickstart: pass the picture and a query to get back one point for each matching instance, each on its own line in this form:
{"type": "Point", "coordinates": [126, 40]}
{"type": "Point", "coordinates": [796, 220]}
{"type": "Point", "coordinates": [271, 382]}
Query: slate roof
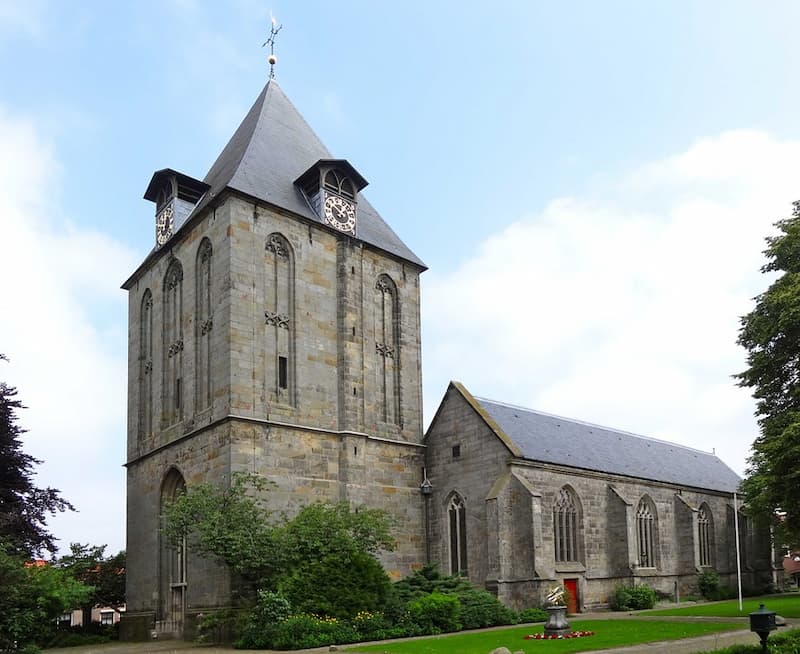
{"type": "Point", "coordinates": [272, 147]}
{"type": "Point", "coordinates": [563, 441]}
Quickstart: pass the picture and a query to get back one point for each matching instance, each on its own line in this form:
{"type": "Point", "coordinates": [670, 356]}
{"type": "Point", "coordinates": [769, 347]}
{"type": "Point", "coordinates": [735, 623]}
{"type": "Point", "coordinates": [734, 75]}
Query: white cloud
{"type": "Point", "coordinates": [63, 328]}
{"type": "Point", "coordinates": [23, 18]}
{"type": "Point", "coordinates": [622, 307]}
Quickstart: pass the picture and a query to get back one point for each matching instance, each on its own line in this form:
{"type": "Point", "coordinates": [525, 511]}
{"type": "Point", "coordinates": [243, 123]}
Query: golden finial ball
{"type": "Point", "coordinates": [272, 59]}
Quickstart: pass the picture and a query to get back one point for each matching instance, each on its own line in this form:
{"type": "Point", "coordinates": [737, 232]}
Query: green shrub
{"type": "Point", "coordinates": [303, 631]}
{"type": "Point", "coordinates": [533, 614]}
{"type": "Point", "coordinates": [708, 584]}
{"type": "Point", "coordinates": [620, 599]}
{"type": "Point", "coordinates": [480, 608]}
{"type": "Point", "coordinates": [429, 580]}
{"type": "Point", "coordinates": [626, 598]}
{"type": "Point", "coordinates": [258, 626]}
{"type": "Point", "coordinates": [435, 613]}
{"type": "Point", "coordinates": [370, 626]}
{"type": "Point", "coordinates": [338, 585]}
{"type": "Point", "coordinates": [642, 597]}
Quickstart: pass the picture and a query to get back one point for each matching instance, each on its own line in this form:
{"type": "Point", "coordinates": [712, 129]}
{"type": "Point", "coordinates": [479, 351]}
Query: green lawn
{"type": "Point", "coordinates": [608, 634]}
{"type": "Point", "coordinates": [786, 605]}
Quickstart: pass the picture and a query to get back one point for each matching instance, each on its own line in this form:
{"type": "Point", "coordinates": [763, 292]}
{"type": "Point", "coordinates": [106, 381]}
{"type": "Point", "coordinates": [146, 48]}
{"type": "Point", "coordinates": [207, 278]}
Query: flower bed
{"type": "Point", "coordinates": [571, 634]}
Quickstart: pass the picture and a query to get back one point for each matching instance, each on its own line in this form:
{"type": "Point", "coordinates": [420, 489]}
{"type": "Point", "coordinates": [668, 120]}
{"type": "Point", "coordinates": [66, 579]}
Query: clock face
{"type": "Point", "coordinates": [164, 225]}
{"type": "Point", "coordinates": [340, 213]}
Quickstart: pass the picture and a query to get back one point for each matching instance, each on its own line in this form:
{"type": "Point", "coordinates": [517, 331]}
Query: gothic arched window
{"type": "Point", "coordinates": [387, 348]}
{"type": "Point", "coordinates": [457, 519]}
{"type": "Point", "coordinates": [203, 325]}
{"type": "Point", "coordinates": [172, 568]}
{"type": "Point", "coordinates": [146, 365]}
{"type": "Point", "coordinates": [566, 521]}
{"type": "Point", "coordinates": [173, 344]}
{"type": "Point", "coordinates": [646, 533]}
{"type": "Point", "coordinates": [280, 323]}
{"type": "Point", "coordinates": [705, 535]}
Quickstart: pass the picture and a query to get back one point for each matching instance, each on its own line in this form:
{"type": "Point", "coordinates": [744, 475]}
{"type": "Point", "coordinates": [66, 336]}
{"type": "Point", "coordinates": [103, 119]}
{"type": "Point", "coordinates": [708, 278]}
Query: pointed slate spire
{"type": "Point", "coordinates": [271, 148]}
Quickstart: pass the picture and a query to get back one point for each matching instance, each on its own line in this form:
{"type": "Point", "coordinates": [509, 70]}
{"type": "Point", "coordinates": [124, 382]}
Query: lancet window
{"type": "Point", "coordinates": [387, 349]}
{"type": "Point", "coordinates": [646, 533]}
{"type": "Point", "coordinates": [566, 519]}
{"type": "Point", "coordinates": [457, 518]}
{"type": "Point", "coordinates": [173, 344]}
{"type": "Point", "coordinates": [146, 365]}
{"type": "Point", "coordinates": [172, 568]}
{"type": "Point", "coordinates": [203, 325]}
{"type": "Point", "coordinates": [279, 320]}
{"type": "Point", "coordinates": [705, 534]}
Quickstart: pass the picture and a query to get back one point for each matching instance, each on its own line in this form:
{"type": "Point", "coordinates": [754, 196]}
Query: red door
{"type": "Point", "coordinates": [571, 586]}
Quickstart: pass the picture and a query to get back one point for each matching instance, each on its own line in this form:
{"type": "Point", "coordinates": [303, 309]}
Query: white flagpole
{"type": "Point", "coordinates": [738, 555]}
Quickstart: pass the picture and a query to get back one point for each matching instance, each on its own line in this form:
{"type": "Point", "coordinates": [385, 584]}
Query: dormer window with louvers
{"type": "Point", "coordinates": [331, 187]}
{"type": "Point", "coordinates": [175, 196]}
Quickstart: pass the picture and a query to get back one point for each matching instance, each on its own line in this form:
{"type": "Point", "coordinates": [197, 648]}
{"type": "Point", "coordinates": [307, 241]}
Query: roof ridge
{"type": "Point", "coordinates": [597, 426]}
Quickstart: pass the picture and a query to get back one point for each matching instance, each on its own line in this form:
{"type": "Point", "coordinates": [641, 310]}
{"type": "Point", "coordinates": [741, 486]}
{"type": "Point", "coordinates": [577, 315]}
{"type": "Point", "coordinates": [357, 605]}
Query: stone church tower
{"type": "Point", "coordinates": [275, 328]}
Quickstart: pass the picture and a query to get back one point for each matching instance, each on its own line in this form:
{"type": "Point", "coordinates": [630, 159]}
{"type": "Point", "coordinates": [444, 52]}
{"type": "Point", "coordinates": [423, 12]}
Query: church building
{"type": "Point", "coordinates": [275, 328]}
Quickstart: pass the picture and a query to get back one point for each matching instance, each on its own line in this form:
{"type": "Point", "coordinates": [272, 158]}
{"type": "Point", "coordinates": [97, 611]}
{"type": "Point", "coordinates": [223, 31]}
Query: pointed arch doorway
{"type": "Point", "coordinates": [172, 565]}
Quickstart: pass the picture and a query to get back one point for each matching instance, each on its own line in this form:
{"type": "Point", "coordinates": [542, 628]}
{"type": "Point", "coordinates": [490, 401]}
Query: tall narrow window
{"type": "Point", "coordinates": [173, 343]}
{"type": "Point", "coordinates": [705, 535]}
{"type": "Point", "coordinates": [387, 348]}
{"type": "Point", "coordinates": [457, 516]}
{"type": "Point", "coordinates": [203, 324]}
{"type": "Point", "coordinates": [565, 526]}
{"type": "Point", "coordinates": [646, 533]}
{"type": "Point", "coordinates": [745, 538]}
{"type": "Point", "coordinates": [279, 320]}
{"type": "Point", "coordinates": [146, 365]}
{"type": "Point", "coordinates": [172, 569]}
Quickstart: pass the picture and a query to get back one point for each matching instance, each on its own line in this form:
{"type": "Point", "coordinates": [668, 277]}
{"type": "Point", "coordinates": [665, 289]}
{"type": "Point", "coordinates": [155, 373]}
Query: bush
{"type": "Point", "coordinates": [625, 598]}
{"type": "Point", "coordinates": [532, 614]}
{"type": "Point", "coordinates": [429, 580]}
{"type": "Point", "coordinates": [482, 609]}
{"type": "Point", "coordinates": [708, 584]}
{"type": "Point", "coordinates": [435, 613]}
{"type": "Point", "coordinates": [371, 626]}
{"type": "Point", "coordinates": [259, 625]}
{"type": "Point", "coordinates": [338, 585]}
{"type": "Point", "coordinates": [302, 631]}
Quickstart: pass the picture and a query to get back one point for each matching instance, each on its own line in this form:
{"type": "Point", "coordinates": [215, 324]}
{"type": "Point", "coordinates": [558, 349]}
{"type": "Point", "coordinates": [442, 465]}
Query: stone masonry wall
{"type": "Point", "coordinates": [510, 529]}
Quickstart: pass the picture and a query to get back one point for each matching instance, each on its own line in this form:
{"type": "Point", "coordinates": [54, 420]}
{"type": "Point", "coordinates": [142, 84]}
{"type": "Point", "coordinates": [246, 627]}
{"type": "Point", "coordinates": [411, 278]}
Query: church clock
{"type": "Point", "coordinates": [164, 224]}
{"type": "Point", "coordinates": [331, 187]}
{"type": "Point", "coordinates": [340, 213]}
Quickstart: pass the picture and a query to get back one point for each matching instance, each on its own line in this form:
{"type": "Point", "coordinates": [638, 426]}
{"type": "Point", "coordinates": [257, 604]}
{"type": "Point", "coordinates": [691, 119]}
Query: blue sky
{"type": "Point", "coordinates": [590, 184]}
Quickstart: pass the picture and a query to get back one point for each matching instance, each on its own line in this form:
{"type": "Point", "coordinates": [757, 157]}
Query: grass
{"type": "Point", "coordinates": [608, 634]}
{"type": "Point", "coordinates": [785, 605]}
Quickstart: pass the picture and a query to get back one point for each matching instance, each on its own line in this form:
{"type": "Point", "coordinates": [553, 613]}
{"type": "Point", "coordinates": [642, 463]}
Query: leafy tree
{"type": "Point", "coordinates": [320, 530]}
{"type": "Point", "coordinates": [230, 524]}
{"type": "Point", "coordinates": [33, 596]}
{"type": "Point", "coordinates": [322, 559]}
{"type": "Point", "coordinates": [771, 335]}
{"type": "Point", "coordinates": [105, 575]}
{"type": "Point", "coordinates": [23, 506]}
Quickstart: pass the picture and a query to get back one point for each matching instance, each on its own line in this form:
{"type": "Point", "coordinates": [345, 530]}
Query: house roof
{"type": "Point", "coordinates": [272, 147]}
{"type": "Point", "coordinates": [553, 439]}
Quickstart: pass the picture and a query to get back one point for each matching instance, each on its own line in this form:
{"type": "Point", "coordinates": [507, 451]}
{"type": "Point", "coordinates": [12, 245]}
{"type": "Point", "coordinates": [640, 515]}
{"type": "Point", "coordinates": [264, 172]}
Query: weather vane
{"type": "Point", "coordinates": [273, 32]}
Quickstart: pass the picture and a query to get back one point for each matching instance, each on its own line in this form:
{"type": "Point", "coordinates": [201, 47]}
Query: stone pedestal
{"type": "Point", "coordinates": [556, 624]}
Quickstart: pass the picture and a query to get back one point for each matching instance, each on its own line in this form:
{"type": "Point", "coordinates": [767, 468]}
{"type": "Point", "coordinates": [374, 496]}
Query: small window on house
{"type": "Point", "coordinates": [283, 372]}
{"type": "Point", "coordinates": [107, 617]}
{"type": "Point", "coordinates": [456, 451]}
